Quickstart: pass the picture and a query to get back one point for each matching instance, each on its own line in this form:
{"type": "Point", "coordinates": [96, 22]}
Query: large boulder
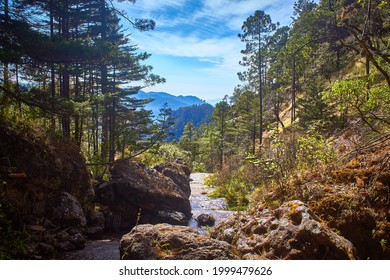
{"type": "Point", "coordinates": [178, 172]}
{"type": "Point", "coordinates": [96, 225]}
{"type": "Point", "coordinates": [291, 231]}
{"type": "Point", "coordinates": [138, 194]}
{"type": "Point", "coordinates": [64, 210]}
{"type": "Point", "coordinates": [166, 217]}
{"type": "Point", "coordinates": [43, 165]}
{"type": "Point", "coordinates": [166, 242]}
{"type": "Point", "coordinates": [46, 188]}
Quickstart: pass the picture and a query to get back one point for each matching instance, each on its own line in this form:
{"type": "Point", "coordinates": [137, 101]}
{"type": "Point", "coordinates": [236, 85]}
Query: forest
{"type": "Point", "coordinates": [310, 120]}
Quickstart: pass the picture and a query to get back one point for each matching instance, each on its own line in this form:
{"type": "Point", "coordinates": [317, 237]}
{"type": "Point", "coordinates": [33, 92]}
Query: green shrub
{"type": "Point", "coordinates": [234, 186]}
{"type": "Point", "coordinates": [165, 153]}
{"type": "Point", "coordinates": [314, 149]}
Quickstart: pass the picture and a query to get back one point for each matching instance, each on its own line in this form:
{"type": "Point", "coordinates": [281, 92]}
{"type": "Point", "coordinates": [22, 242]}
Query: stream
{"type": "Point", "coordinates": [107, 248]}
{"type": "Point", "coordinates": [202, 204]}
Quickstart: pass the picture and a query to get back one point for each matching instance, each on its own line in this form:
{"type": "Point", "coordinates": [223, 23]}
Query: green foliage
{"type": "Point", "coordinates": [314, 150]}
{"type": "Point", "coordinates": [189, 141]}
{"type": "Point", "coordinates": [312, 107]}
{"type": "Point", "coordinates": [363, 98]}
{"type": "Point", "coordinates": [164, 153]}
{"type": "Point", "coordinates": [246, 125]}
{"type": "Point", "coordinates": [234, 186]}
{"type": "Point", "coordinates": [14, 238]}
{"type": "Point", "coordinates": [73, 81]}
{"type": "Point", "coordinates": [197, 114]}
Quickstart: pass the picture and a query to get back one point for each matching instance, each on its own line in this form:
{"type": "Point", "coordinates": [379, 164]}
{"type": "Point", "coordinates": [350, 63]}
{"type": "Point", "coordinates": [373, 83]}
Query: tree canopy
{"type": "Point", "coordinates": [71, 63]}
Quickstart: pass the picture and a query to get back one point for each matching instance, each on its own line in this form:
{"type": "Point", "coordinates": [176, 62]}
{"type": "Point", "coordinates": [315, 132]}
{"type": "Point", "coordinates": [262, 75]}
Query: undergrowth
{"type": "Point", "coordinates": [14, 237]}
{"type": "Point", "coordinates": [345, 181]}
{"type": "Point", "coordinates": [246, 181]}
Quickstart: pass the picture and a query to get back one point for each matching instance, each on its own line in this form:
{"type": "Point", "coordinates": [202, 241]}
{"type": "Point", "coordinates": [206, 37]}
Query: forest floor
{"type": "Point", "coordinates": [106, 248]}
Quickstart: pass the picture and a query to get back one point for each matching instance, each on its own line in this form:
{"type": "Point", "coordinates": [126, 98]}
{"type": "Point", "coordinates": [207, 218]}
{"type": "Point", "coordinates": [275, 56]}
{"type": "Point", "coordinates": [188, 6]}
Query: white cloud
{"type": "Point", "coordinates": [223, 53]}
{"type": "Point", "coordinates": [208, 34]}
{"type": "Point", "coordinates": [153, 5]}
{"type": "Point", "coordinates": [234, 12]}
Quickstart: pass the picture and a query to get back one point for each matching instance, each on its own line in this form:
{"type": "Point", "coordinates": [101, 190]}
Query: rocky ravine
{"type": "Point", "coordinates": [290, 232]}
{"type": "Point", "coordinates": [107, 247]}
{"type": "Point", "coordinates": [54, 202]}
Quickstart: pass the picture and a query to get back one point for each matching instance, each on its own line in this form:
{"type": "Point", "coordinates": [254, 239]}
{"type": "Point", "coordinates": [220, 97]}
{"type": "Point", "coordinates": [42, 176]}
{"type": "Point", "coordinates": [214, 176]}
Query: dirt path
{"type": "Point", "coordinates": [104, 249]}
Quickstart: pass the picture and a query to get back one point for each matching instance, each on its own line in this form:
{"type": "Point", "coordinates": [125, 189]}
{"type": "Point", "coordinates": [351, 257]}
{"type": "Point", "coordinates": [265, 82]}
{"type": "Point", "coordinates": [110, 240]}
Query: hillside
{"type": "Point", "coordinates": [161, 98]}
{"type": "Point", "coordinates": [197, 114]}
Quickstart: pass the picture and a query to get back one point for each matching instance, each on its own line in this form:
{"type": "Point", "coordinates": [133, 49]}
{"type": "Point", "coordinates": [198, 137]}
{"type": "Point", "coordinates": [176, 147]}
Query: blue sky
{"type": "Point", "coordinates": [195, 44]}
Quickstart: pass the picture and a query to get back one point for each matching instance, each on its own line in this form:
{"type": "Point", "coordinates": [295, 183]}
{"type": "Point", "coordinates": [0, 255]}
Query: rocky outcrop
{"type": "Point", "coordinates": [167, 217]}
{"type": "Point", "coordinates": [291, 231]}
{"type": "Point", "coordinates": [178, 173]}
{"type": "Point", "coordinates": [64, 210]}
{"type": "Point", "coordinates": [166, 242]}
{"type": "Point", "coordinates": [139, 194]}
{"type": "Point", "coordinates": [46, 188]}
{"type": "Point", "coordinates": [96, 225]}
{"type": "Point", "coordinates": [51, 165]}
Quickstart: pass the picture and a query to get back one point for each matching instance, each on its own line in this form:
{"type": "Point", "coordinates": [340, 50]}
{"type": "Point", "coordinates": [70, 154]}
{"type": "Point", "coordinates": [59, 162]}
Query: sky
{"type": "Point", "coordinates": [195, 46]}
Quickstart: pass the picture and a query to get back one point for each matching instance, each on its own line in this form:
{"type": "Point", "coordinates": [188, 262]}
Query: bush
{"type": "Point", "coordinates": [235, 185]}
{"type": "Point", "coordinates": [313, 150]}
{"type": "Point", "coordinates": [165, 153]}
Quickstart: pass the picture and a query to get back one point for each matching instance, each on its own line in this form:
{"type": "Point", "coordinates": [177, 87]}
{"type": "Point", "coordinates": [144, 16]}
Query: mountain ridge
{"type": "Point", "coordinates": [174, 102]}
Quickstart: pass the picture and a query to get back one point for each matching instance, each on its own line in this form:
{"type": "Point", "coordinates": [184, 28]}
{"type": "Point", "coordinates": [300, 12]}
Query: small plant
{"type": "Point", "coordinates": [383, 243]}
{"type": "Point", "coordinates": [138, 217]}
{"type": "Point", "coordinates": [313, 149]}
{"type": "Point", "coordinates": [234, 186]}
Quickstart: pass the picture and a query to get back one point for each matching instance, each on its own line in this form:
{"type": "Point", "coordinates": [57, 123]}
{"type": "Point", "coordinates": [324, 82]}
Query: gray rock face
{"type": "Point", "coordinates": [70, 241]}
{"type": "Point", "coordinates": [178, 173]}
{"type": "Point", "coordinates": [166, 242]}
{"type": "Point", "coordinates": [136, 192]}
{"type": "Point", "coordinates": [168, 217]}
{"type": "Point", "coordinates": [291, 231]}
{"type": "Point", "coordinates": [65, 210]}
{"type": "Point", "coordinates": [96, 224]}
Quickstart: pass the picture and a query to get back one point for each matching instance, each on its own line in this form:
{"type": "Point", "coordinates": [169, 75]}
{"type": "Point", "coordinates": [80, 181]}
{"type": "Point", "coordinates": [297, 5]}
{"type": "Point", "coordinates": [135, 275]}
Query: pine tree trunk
{"type": "Point", "coordinates": [105, 146]}
{"type": "Point", "coordinates": [260, 93]}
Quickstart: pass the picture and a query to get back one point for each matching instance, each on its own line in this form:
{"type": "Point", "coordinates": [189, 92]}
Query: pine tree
{"type": "Point", "coordinates": [312, 108]}
{"type": "Point", "coordinates": [221, 117]}
{"type": "Point", "coordinates": [77, 59]}
{"type": "Point", "coordinates": [256, 29]}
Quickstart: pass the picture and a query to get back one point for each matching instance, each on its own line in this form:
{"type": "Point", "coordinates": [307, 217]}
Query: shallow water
{"type": "Point", "coordinates": [203, 204]}
{"type": "Point", "coordinates": [108, 247]}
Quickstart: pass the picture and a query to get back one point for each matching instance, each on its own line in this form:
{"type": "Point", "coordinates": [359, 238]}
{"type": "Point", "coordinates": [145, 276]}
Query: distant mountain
{"type": "Point", "coordinates": [174, 102]}
{"type": "Point", "coordinates": [197, 114]}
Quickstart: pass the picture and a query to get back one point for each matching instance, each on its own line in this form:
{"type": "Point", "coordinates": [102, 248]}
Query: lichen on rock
{"type": "Point", "coordinates": [166, 242]}
{"type": "Point", "coordinates": [291, 231]}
